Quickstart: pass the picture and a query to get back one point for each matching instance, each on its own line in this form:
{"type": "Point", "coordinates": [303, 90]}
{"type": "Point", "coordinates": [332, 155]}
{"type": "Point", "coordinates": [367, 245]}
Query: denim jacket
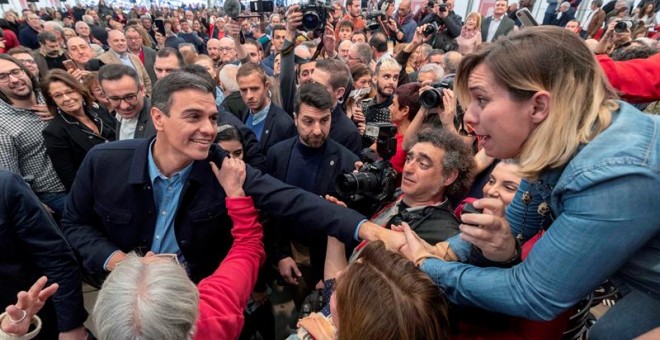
{"type": "Point", "coordinates": [604, 224]}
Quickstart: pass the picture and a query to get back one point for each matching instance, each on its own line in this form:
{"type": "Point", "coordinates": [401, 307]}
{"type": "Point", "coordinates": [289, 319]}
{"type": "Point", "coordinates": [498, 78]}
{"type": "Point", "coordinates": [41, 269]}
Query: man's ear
{"type": "Point", "coordinates": [295, 119]}
{"type": "Point", "coordinates": [451, 178]}
{"type": "Point", "coordinates": [541, 106]}
{"type": "Point", "coordinates": [339, 93]}
{"type": "Point", "coordinates": [157, 117]}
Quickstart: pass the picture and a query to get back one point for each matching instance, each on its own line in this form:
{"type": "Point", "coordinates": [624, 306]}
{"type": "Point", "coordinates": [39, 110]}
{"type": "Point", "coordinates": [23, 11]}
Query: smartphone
{"type": "Point", "coordinates": [160, 26]}
{"type": "Point", "coordinates": [526, 18]}
{"type": "Point", "coordinates": [468, 208]}
{"type": "Point", "coordinates": [69, 65]}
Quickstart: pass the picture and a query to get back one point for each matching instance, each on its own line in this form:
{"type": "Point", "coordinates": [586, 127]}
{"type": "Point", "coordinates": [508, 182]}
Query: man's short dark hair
{"type": "Point", "coordinates": [174, 82]}
{"type": "Point", "coordinates": [44, 37]}
{"type": "Point", "coordinates": [597, 3]}
{"type": "Point", "coordinates": [363, 33]}
{"type": "Point", "coordinates": [200, 71]}
{"type": "Point", "coordinates": [434, 52]}
{"type": "Point", "coordinates": [349, 3]}
{"type": "Point", "coordinates": [255, 44]}
{"type": "Point", "coordinates": [113, 72]}
{"type": "Point", "coordinates": [314, 95]}
{"type": "Point", "coordinates": [166, 52]}
{"type": "Point", "coordinates": [278, 27]}
{"type": "Point", "coordinates": [379, 42]}
{"type": "Point", "coordinates": [340, 75]}
{"type": "Point", "coordinates": [457, 157]}
{"type": "Point", "coordinates": [346, 23]}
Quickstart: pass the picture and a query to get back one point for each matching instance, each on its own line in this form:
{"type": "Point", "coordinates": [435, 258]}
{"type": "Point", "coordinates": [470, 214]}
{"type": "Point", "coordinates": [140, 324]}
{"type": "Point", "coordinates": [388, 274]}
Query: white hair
{"type": "Point", "coordinates": [141, 300]}
{"type": "Point", "coordinates": [388, 63]}
{"type": "Point", "coordinates": [227, 77]}
{"type": "Point", "coordinates": [55, 27]}
{"type": "Point", "coordinates": [437, 70]}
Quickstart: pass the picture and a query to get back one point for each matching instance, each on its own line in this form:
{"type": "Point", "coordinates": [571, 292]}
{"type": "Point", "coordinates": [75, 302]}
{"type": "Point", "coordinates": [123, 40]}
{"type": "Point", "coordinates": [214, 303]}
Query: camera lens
{"type": "Point", "coordinates": [311, 21]}
{"type": "Point", "coordinates": [346, 184]}
{"type": "Point", "coordinates": [357, 183]}
{"type": "Point", "coordinates": [431, 98]}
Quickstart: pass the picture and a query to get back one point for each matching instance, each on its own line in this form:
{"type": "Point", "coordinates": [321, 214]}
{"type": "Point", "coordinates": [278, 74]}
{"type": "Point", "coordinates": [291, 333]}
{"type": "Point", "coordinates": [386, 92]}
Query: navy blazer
{"type": "Point", "coordinates": [336, 160]}
{"type": "Point", "coordinates": [278, 126]}
{"type": "Point", "coordinates": [344, 131]}
{"type": "Point", "coordinates": [111, 207]}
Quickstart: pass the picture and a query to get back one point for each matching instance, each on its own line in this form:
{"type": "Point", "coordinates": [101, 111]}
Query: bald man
{"type": "Point", "coordinates": [213, 50]}
{"type": "Point", "coordinates": [404, 20]}
{"type": "Point", "coordinates": [118, 54]}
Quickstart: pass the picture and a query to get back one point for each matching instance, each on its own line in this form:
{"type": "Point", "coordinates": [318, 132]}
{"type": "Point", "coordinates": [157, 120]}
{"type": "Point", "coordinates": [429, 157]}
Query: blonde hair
{"type": "Point", "coordinates": [549, 59]}
{"type": "Point", "coordinates": [476, 17]}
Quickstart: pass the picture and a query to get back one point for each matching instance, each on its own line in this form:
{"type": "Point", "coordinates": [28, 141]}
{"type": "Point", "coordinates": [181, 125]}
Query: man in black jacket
{"type": "Point", "coordinates": [449, 25]}
{"type": "Point", "coordinates": [161, 194]}
{"type": "Point", "coordinates": [33, 245]}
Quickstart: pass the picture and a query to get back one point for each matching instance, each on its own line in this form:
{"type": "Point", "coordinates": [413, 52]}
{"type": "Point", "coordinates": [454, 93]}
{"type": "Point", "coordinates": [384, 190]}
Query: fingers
{"type": "Point", "coordinates": [492, 205]}
{"type": "Point", "coordinates": [48, 292]}
{"type": "Point", "coordinates": [14, 312]}
{"type": "Point", "coordinates": [215, 169]}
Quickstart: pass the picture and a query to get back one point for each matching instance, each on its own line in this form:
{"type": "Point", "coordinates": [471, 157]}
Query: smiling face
{"type": "Point", "coordinates": [502, 124]}
{"type": "Point", "coordinates": [117, 41]}
{"type": "Point", "coordinates": [188, 131]}
{"type": "Point", "coordinates": [125, 96]}
{"type": "Point", "coordinates": [15, 86]}
{"type": "Point", "coordinates": [28, 61]}
{"type": "Point", "coordinates": [503, 182]}
{"type": "Point", "coordinates": [67, 99]}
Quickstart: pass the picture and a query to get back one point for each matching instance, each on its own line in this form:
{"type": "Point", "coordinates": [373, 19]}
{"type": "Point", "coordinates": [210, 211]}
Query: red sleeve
{"type": "Point", "coordinates": [223, 295]}
{"type": "Point", "coordinates": [399, 158]}
{"type": "Point", "coordinates": [637, 80]}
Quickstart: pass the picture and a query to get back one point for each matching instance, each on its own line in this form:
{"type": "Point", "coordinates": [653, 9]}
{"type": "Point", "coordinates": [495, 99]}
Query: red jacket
{"type": "Point", "coordinates": [637, 80]}
{"type": "Point", "coordinates": [223, 295]}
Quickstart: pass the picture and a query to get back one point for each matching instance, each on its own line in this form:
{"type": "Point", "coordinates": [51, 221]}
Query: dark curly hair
{"type": "Point", "coordinates": [458, 157]}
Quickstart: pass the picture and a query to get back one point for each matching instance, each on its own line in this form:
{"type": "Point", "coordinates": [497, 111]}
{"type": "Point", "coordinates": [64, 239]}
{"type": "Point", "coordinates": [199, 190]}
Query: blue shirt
{"type": "Point", "coordinates": [256, 121]}
{"type": "Point", "coordinates": [167, 192]}
{"type": "Point", "coordinates": [605, 225]}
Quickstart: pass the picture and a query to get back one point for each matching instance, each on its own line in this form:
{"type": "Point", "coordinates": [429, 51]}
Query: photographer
{"type": "Point", "coordinates": [617, 36]}
{"type": "Point", "coordinates": [437, 167]}
{"type": "Point", "coordinates": [449, 25]}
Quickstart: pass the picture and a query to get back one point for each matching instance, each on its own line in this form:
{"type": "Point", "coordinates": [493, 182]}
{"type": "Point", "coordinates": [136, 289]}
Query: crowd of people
{"type": "Point", "coordinates": [398, 173]}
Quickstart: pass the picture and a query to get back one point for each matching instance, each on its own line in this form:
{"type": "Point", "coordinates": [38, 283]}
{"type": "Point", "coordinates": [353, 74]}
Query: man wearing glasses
{"type": "Point", "coordinates": [121, 86]}
{"type": "Point", "coordinates": [23, 116]}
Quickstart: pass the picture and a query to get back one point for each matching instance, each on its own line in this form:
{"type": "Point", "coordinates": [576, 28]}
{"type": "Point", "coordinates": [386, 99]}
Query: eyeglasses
{"type": "Point", "coordinates": [225, 49]}
{"type": "Point", "coordinates": [17, 72]}
{"type": "Point", "coordinates": [129, 99]}
{"type": "Point", "coordinates": [60, 96]}
{"type": "Point", "coordinates": [27, 61]}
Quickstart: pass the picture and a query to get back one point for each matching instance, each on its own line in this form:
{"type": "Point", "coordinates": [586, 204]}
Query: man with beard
{"type": "Point", "coordinates": [334, 76]}
{"type": "Point", "coordinates": [310, 161]}
{"type": "Point", "coordinates": [23, 115]}
{"type": "Point", "coordinates": [50, 55]}
{"type": "Point", "coordinates": [269, 122]}
{"type": "Point", "coordinates": [213, 50]}
{"type": "Point", "coordinates": [385, 78]}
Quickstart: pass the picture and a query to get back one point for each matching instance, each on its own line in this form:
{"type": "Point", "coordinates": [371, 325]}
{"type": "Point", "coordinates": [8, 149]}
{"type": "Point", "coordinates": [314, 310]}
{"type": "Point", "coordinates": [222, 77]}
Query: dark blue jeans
{"type": "Point", "coordinates": [54, 200]}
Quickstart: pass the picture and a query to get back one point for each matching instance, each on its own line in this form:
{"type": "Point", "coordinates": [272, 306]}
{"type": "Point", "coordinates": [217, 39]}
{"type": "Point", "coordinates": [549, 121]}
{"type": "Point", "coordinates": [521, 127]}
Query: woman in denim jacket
{"type": "Point", "coordinates": [591, 182]}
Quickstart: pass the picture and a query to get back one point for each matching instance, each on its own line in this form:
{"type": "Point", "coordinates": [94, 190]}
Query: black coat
{"type": "Point", "coordinates": [33, 245]}
{"type": "Point", "coordinates": [111, 207]}
{"type": "Point", "coordinates": [344, 131]}
{"type": "Point", "coordinates": [278, 126]}
{"type": "Point", "coordinates": [145, 126]}
{"type": "Point", "coordinates": [67, 141]}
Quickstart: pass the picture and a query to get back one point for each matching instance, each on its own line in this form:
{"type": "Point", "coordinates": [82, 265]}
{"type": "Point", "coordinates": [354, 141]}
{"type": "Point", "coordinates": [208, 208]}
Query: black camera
{"type": "Point", "coordinates": [623, 26]}
{"type": "Point", "coordinates": [433, 97]}
{"type": "Point", "coordinates": [372, 20]}
{"type": "Point", "coordinates": [315, 14]}
{"type": "Point", "coordinates": [376, 179]}
{"type": "Point", "coordinates": [430, 29]}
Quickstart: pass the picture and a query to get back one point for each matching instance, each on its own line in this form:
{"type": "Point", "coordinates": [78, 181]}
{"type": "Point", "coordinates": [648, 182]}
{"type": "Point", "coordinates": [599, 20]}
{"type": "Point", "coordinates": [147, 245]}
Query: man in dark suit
{"type": "Point", "coordinates": [498, 24]}
{"type": "Point", "coordinates": [564, 14]}
{"type": "Point", "coordinates": [162, 195]}
{"type": "Point", "coordinates": [121, 85]}
{"type": "Point", "coordinates": [32, 246]}
{"type": "Point", "coordinates": [310, 161]}
{"type": "Point", "coordinates": [269, 122]}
